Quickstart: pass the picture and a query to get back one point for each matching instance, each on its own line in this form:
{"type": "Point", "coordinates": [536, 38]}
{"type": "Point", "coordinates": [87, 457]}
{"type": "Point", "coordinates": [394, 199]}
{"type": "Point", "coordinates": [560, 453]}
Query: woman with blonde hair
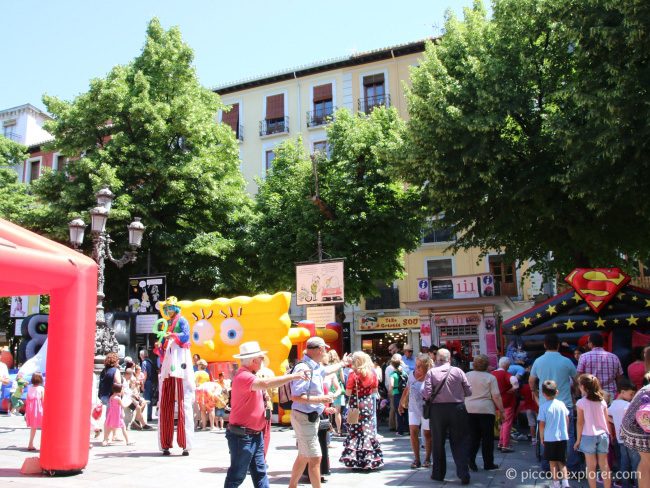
{"type": "Point", "coordinates": [413, 402]}
{"type": "Point", "coordinates": [339, 400]}
{"type": "Point", "coordinates": [361, 449]}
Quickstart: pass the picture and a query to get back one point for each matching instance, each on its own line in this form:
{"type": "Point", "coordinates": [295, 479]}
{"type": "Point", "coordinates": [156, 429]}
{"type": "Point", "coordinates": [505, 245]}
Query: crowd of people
{"type": "Point", "coordinates": [580, 410]}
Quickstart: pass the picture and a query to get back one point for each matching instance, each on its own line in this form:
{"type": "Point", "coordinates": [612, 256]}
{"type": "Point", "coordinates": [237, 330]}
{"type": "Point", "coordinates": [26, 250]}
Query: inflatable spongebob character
{"type": "Point", "coordinates": [217, 327]}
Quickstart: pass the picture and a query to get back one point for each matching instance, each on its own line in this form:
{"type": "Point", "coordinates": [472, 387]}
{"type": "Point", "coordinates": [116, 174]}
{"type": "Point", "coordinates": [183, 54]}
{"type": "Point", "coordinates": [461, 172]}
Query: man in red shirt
{"type": "Point", "coordinates": [247, 421]}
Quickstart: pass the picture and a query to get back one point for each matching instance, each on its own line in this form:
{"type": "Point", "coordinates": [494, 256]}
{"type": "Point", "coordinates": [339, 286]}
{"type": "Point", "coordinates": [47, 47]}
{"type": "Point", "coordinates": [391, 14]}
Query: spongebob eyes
{"type": "Point", "coordinates": [203, 331]}
{"type": "Point", "coordinates": [231, 331]}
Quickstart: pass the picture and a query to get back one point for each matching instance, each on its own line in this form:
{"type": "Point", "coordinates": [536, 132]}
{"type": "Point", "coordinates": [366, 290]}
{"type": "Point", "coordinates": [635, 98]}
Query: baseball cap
{"type": "Point", "coordinates": [316, 342]}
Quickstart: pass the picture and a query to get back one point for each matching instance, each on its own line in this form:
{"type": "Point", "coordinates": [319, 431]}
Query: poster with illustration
{"type": "Point", "coordinates": [145, 292]}
{"type": "Point", "coordinates": [24, 305]}
{"type": "Point", "coordinates": [320, 283]}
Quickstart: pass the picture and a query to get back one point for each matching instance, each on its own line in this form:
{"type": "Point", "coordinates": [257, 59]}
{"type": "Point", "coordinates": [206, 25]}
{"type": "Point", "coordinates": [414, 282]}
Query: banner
{"type": "Point", "coordinates": [458, 319]}
{"type": "Point", "coordinates": [425, 333]}
{"type": "Point", "coordinates": [319, 283]}
{"type": "Point", "coordinates": [145, 292]}
{"type": "Point", "coordinates": [474, 286]}
{"type": "Point", "coordinates": [386, 323]}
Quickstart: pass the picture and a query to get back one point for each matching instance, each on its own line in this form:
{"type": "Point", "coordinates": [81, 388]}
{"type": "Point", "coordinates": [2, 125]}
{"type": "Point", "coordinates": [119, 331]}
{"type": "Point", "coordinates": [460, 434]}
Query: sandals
{"type": "Point", "coordinates": [426, 464]}
{"type": "Point", "coordinates": [416, 465]}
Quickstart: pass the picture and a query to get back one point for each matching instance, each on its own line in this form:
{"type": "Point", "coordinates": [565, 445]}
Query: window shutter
{"type": "Point", "coordinates": [322, 93]}
{"type": "Point", "coordinates": [377, 79]}
{"type": "Point", "coordinates": [275, 106]}
{"type": "Point", "coordinates": [231, 118]}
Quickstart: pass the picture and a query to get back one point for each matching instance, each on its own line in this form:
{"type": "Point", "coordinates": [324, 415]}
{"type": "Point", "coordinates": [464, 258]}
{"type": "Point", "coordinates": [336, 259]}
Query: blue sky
{"type": "Point", "coordinates": [57, 46]}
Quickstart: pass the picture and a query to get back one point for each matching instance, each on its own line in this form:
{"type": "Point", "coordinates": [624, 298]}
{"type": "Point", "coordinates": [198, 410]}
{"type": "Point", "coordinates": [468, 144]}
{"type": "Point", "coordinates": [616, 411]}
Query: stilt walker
{"type": "Point", "coordinates": [176, 380]}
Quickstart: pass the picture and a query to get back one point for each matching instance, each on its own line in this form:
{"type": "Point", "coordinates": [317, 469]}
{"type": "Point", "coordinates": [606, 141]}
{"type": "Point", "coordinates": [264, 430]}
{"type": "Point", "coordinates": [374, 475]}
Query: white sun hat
{"type": "Point", "coordinates": [249, 350]}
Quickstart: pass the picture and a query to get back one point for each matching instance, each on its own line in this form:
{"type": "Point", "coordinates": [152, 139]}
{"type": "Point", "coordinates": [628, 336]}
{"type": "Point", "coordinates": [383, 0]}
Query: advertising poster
{"type": "Point", "coordinates": [145, 292]}
{"type": "Point", "coordinates": [320, 283]}
{"type": "Point", "coordinates": [425, 333]}
{"type": "Point", "coordinates": [460, 287]}
{"type": "Point", "coordinates": [24, 305]}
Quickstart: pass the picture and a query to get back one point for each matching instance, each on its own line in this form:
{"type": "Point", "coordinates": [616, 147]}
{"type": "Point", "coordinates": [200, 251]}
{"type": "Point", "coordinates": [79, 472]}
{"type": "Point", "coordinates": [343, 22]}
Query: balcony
{"type": "Point", "coordinates": [366, 105]}
{"type": "Point", "coordinates": [320, 117]}
{"type": "Point", "coordinates": [269, 127]}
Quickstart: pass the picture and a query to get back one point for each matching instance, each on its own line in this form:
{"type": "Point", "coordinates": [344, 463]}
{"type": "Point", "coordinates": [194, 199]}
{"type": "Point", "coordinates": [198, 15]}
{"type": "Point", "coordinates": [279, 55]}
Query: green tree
{"type": "Point", "coordinates": [492, 138]}
{"type": "Point", "coordinates": [364, 213]}
{"type": "Point", "coordinates": [15, 201]}
{"type": "Point", "coordinates": [148, 131]}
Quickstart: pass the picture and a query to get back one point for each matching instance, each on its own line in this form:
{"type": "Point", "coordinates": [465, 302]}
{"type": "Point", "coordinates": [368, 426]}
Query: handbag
{"type": "Point", "coordinates": [325, 423]}
{"type": "Point", "coordinates": [352, 417]}
{"type": "Point", "coordinates": [427, 403]}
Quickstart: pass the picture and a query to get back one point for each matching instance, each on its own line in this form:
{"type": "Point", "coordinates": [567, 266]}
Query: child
{"type": "Point", "coordinates": [34, 407]}
{"type": "Point", "coordinates": [592, 433]}
{"type": "Point", "coordinates": [115, 415]}
{"type": "Point", "coordinates": [628, 459]}
{"type": "Point", "coordinates": [528, 405]}
{"type": "Point", "coordinates": [554, 432]}
{"type": "Point", "coordinates": [17, 394]}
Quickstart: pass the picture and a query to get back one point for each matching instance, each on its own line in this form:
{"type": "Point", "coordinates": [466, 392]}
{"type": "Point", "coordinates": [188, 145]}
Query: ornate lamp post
{"type": "Point", "coordinates": [105, 341]}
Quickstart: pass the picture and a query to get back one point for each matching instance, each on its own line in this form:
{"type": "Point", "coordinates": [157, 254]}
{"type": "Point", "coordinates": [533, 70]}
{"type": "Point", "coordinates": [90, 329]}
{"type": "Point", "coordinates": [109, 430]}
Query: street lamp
{"type": "Point", "coordinates": [105, 340]}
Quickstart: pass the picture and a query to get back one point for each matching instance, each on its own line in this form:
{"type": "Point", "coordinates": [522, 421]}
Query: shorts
{"type": "Point", "coordinates": [594, 444]}
{"type": "Point", "coordinates": [415, 418]}
{"type": "Point", "coordinates": [555, 451]}
{"type": "Point", "coordinates": [531, 415]}
{"type": "Point", "coordinates": [220, 412]}
{"type": "Point", "coordinates": [306, 434]}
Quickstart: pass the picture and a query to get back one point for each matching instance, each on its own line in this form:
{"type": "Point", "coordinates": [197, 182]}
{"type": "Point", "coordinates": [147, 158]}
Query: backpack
{"type": "Point", "coordinates": [284, 392]}
{"type": "Point", "coordinates": [403, 382]}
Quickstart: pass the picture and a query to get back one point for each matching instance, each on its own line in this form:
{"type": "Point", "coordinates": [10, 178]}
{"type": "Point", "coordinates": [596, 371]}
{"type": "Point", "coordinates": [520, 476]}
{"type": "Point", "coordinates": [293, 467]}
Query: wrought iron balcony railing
{"type": "Point", "coordinates": [367, 104]}
{"type": "Point", "coordinates": [274, 126]}
{"type": "Point", "coordinates": [320, 116]}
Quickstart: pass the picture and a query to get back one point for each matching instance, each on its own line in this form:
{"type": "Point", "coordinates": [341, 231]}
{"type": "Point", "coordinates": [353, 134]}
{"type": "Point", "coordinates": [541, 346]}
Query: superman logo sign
{"type": "Point", "coordinates": [597, 286]}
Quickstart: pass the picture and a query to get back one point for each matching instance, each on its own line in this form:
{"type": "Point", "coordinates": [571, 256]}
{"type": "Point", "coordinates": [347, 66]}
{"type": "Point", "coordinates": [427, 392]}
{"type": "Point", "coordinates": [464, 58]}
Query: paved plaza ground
{"type": "Point", "coordinates": [142, 465]}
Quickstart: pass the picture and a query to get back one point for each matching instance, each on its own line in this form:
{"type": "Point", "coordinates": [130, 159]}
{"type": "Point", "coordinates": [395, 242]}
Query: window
{"type": "Point", "coordinates": [505, 276]}
{"type": "Point", "coordinates": [374, 92]}
{"type": "Point", "coordinates": [388, 298]}
{"type": "Point", "coordinates": [437, 268]}
{"type": "Point", "coordinates": [231, 118]}
{"type": "Point", "coordinates": [322, 147]}
{"type": "Point", "coordinates": [33, 169]}
{"type": "Point", "coordinates": [431, 236]}
{"type": "Point", "coordinates": [58, 164]}
{"type": "Point", "coordinates": [275, 120]}
{"type": "Point", "coordinates": [9, 128]}
{"type": "Point", "coordinates": [269, 157]}
{"type": "Point", "coordinates": [323, 105]}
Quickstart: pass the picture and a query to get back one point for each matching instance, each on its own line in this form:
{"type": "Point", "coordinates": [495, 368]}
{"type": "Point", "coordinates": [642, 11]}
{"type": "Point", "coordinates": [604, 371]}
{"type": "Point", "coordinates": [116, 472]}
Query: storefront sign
{"type": "Point", "coordinates": [387, 323]}
{"type": "Point", "coordinates": [319, 283]}
{"type": "Point", "coordinates": [321, 316]}
{"type": "Point", "coordinates": [458, 319]}
{"type": "Point", "coordinates": [145, 292]}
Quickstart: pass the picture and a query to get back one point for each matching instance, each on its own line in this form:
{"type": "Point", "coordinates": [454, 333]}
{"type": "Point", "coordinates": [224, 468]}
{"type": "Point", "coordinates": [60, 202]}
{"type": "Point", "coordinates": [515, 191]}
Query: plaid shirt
{"type": "Point", "coordinates": [603, 365]}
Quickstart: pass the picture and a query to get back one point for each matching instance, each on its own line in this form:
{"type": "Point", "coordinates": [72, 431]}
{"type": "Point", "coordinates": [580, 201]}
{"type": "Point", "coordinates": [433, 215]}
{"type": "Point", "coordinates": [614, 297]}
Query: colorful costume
{"type": "Point", "coordinates": [177, 380]}
{"type": "Point", "coordinates": [17, 395]}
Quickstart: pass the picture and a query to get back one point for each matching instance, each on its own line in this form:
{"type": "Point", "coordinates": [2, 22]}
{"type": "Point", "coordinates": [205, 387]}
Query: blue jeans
{"type": "Point", "coordinates": [246, 453]}
{"type": "Point", "coordinates": [401, 419]}
{"type": "Point", "coordinates": [574, 460]}
{"type": "Point", "coordinates": [628, 460]}
{"type": "Point", "coordinates": [148, 395]}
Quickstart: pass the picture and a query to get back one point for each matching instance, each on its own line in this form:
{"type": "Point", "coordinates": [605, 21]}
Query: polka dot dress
{"type": "Point", "coordinates": [361, 449]}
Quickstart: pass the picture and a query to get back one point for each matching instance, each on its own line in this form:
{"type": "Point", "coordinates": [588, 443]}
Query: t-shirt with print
{"type": "Point", "coordinates": [617, 411]}
{"type": "Point", "coordinates": [554, 414]}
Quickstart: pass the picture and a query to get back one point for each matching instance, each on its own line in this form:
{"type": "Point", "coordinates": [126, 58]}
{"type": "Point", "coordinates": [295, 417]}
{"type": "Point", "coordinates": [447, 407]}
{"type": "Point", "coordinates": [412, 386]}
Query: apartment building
{"type": "Point", "coordinates": [267, 110]}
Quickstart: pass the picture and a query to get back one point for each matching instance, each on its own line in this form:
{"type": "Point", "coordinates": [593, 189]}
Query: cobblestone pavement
{"type": "Point", "coordinates": [142, 465]}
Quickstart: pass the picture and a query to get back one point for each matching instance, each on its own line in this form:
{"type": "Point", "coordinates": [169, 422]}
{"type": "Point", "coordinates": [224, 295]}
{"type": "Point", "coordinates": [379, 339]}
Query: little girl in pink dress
{"type": "Point", "coordinates": [34, 407]}
{"type": "Point", "coordinates": [115, 415]}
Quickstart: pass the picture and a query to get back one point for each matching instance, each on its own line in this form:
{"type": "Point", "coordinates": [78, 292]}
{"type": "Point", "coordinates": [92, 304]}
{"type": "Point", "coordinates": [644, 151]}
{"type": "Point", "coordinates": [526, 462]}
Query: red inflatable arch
{"type": "Point", "coordinates": [32, 265]}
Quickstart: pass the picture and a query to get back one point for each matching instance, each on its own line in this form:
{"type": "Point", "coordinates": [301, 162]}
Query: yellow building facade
{"type": "Point", "coordinates": [270, 109]}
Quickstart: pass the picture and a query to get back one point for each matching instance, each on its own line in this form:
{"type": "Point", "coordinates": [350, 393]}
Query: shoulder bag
{"type": "Point", "coordinates": [352, 417]}
{"type": "Point", "coordinates": [427, 403]}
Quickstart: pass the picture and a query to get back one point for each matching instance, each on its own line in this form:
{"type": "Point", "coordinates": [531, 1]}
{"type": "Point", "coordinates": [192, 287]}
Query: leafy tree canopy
{"type": "Point", "coordinates": [527, 130]}
{"type": "Point", "coordinates": [148, 131]}
{"type": "Point", "coordinates": [16, 204]}
{"type": "Point", "coordinates": [365, 214]}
